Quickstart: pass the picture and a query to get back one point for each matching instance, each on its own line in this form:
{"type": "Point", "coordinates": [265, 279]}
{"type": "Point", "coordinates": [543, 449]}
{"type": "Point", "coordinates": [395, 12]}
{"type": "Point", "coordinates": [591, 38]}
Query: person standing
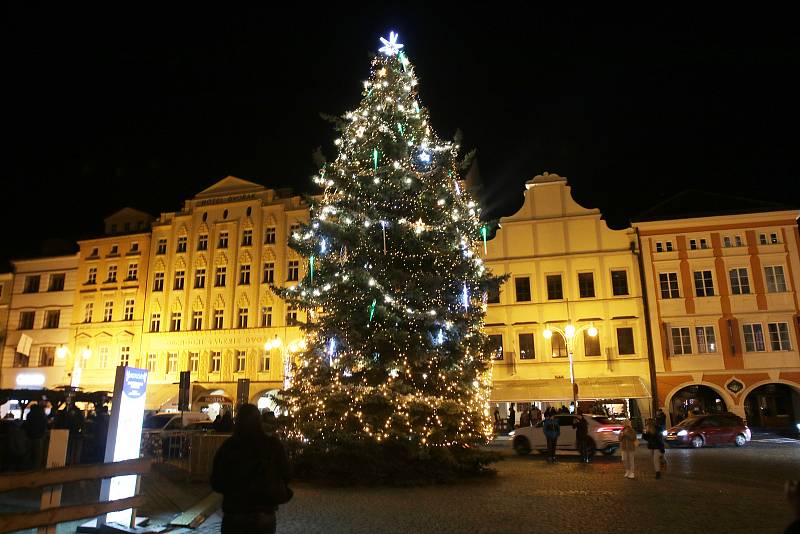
{"type": "Point", "coordinates": [661, 420]}
{"type": "Point", "coordinates": [582, 436]}
{"type": "Point", "coordinates": [496, 419]}
{"type": "Point", "coordinates": [35, 428]}
{"type": "Point", "coordinates": [551, 431]}
{"type": "Point", "coordinates": [512, 417]}
{"type": "Point", "coordinates": [251, 471]}
{"type": "Point", "coordinates": [627, 443]}
{"type": "Point", "coordinates": [537, 415]}
{"type": "Point", "coordinates": [655, 443]}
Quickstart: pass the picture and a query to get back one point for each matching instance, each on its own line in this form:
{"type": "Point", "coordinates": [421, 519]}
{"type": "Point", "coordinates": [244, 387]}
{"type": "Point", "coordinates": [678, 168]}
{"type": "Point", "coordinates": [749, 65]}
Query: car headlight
{"type": "Point", "coordinates": [683, 433]}
{"type": "Point", "coordinates": [663, 432]}
{"type": "Point", "coordinates": [511, 433]}
{"type": "Point", "coordinates": [798, 426]}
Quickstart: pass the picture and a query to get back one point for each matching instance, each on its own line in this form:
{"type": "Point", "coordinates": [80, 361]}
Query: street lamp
{"type": "Point", "coordinates": [568, 333]}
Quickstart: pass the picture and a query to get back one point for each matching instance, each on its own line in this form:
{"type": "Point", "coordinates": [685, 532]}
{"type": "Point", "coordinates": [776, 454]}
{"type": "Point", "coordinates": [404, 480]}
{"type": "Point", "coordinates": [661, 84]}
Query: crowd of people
{"type": "Point", "coordinates": [23, 442]}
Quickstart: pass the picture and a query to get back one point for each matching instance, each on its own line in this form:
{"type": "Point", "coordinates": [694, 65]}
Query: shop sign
{"type": "Point", "coordinates": [734, 386]}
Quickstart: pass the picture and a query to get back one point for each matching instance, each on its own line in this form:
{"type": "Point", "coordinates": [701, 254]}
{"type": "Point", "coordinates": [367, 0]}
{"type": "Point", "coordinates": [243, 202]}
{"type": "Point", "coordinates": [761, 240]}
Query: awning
{"type": "Point", "coordinates": [159, 394]}
{"type": "Point", "coordinates": [560, 389]}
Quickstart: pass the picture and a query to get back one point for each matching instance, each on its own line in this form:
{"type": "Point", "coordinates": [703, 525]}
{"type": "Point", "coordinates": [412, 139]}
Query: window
{"type": "Point", "coordinates": [20, 360]}
{"type": "Point", "coordinates": [134, 248]}
{"type": "Point", "coordinates": [522, 285]}
{"type": "Point", "coordinates": [625, 340]}
{"type": "Point", "coordinates": [112, 273]}
{"type": "Point", "coordinates": [659, 246]}
{"type": "Point", "coordinates": [175, 321]}
{"type": "Point", "coordinates": [219, 278]}
{"type": "Point", "coordinates": [56, 282]}
{"type": "Point", "coordinates": [779, 336]}
{"type": "Point", "coordinates": [88, 308]}
{"type": "Point", "coordinates": [265, 361]}
{"type": "Point", "coordinates": [114, 250]}
{"type": "Point", "coordinates": [92, 278]}
{"type": "Point", "coordinates": [681, 341]}
{"type": "Point", "coordinates": [703, 284]}
{"type": "Point", "coordinates": [269, 273]}
{"type": "Point", "coordinates": [726, 241]}
{"type": "Point", "coordinates": [738, 240]}
{"type": "Point", "coordinates": [172, 362]}
{"type": "Point", "coordinates": [740, 284]}
{"type": "Point", "coordinates": [558, 347]}
{"type": "Point", "coordinates": [133, 271]}
{"type": "Point", "coordinates": [703, 243]}
{"type": "Point", "coordinates": [591, 344]}
{"type": "Point", "coordinates": [244, 275]}
{"type": "Point", "coordinates": [706, 342]}
{"type": "Point", "coordinates": [155, 322]}
{"type": "Point", "coordinates": [493, 295]}
{"type": "Point", "coordinates": [243, 314]}
{"type": "Point", "coordinates": [31, 284]}
{"type": "Point", "coordinates": [47, 356]}
{"type": "Point", "coordinates": [162, 246]}
{"type": "Point", "coordinates": [108, 311]}
{"type": "Point", "coordinates": [762, 239]}
{"type": "Point", "coordinates": [753, 337]}
{"type": "Point", "coordinates": [247, 238]}
{"type": "Point", "coordinates": [269, 236]}
{"type": "Point", "coordinates": [669, 285]}
{"type": "Point", "coordinates": [241, 361]}
{"type": "Point", "coordinates": [496, 346]}
{"type": "Point", "coordinates": [294, 270]}
{"type": "Point", "coordinates": [619, 283]}
{"type": "Point", "coordinates": [95, 253]}
{"type": "Point", "coordinates": [223, 240]}
{"type": "Point", "coordinates": [151, 363]}
{"type": "Point", "coordinates": [197, 320]}
{"type": "Point", "coordinates": [202, 242]}
{"type": "Point", "coordinates": [26, 319]}
{"type": "Point", "coordinates": [586, 285]}
{"type": "Point", "coordinates": [199, 278]}
{"type": "Point", "coordinates": [158, 282]}
{"type": "Point", "coordinates": [526, 349]}
{"type": "Point", "coordinates": [51, 318]}
{"type": "Point", "coordinates": [266, 316]}
{"type": "Point", "coordinates": [194, 362]}
{"type": "Point", "coordinates": [776, 283]}
{"type": "Point", "coordinates": [179, 279]}
{"type": "Point", "coordinates": [125, 356]}
{"type": "Point", "coordinates": [295, 228]}
{"type": "Point", "coordinates": [291, 314]}
{"type": "Point", "coordinates": [693, 244]}
{"type": "Point", "coordinates": [103, 357]}
{"type": "Point", "coordinates": [773, 238]}
{"type": "Point", "coordinates": [218, 318]}
{"type": "Point", "coordinates": [181, 244]}
{"type": "Point", "coordinates": [554, 289]}
{"type": "Point", "coordinates": [127, 312]}
{"type": "Point", "coordinates": [216, 361]}
{"type": "Point", "coordinates": [669, 246]}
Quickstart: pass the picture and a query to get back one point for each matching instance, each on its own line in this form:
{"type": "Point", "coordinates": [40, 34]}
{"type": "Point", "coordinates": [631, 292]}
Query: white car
{"type": "Point", "coordinates": [603, 435]}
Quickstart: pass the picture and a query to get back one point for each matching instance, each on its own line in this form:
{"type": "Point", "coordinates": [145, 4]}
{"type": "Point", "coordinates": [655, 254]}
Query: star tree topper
{"type": "Point", "coordinates": [390, 47]}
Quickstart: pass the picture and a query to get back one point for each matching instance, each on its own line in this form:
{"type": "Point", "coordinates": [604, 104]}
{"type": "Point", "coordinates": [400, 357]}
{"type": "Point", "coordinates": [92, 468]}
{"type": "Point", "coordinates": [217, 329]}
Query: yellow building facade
{"type": "Point", "coordinates": [566, 267]}
{"type": "Point", "coordinates": [725, 314]}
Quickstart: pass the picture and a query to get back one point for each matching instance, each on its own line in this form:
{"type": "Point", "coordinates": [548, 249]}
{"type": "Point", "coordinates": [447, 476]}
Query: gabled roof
{"type": "Point", "coordinates": [693, 203]}
{"type": "Point", "coordinates": [230, 185]}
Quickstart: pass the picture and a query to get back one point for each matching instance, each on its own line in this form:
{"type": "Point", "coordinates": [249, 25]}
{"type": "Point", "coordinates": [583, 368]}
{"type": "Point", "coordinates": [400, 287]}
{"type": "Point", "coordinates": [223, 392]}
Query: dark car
{"type": "Point", "coordinates": [716, 429]}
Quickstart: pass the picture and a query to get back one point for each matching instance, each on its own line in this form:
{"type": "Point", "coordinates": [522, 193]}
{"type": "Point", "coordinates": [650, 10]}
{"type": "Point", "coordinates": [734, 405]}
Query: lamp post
{"type": "Point", "coordinates": [569, 333]}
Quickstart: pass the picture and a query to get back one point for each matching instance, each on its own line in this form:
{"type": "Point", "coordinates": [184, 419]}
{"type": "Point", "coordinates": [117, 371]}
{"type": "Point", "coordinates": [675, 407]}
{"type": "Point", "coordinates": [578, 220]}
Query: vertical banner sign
{"type": "Point", "coordinates": [242, 391]}
{"type": "Point", "coordinates": [124, 437]}
{"type": "Point", "coordinates": [183, 391]}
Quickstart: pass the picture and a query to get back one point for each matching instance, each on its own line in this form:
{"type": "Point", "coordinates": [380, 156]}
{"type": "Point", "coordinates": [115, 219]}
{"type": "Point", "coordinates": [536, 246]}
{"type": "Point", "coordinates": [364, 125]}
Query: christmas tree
{"type": "Point", "coordinates": [394, 377]}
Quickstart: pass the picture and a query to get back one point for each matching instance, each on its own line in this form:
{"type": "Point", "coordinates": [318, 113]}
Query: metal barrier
{"type": "Point", "coordinates": [55, 477]}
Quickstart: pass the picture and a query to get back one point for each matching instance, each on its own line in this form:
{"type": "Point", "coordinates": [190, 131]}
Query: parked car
{"type": "Point", "coordinates": [716, 429]}
{"type": "Point", "coordinates": [603, 435]}
{"type": "Point", "coordinates": [165, 433]}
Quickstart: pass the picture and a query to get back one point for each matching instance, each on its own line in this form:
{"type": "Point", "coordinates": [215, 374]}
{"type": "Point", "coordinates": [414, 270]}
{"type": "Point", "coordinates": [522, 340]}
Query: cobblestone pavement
{"type": "Point", "coordinates": [709, 490]}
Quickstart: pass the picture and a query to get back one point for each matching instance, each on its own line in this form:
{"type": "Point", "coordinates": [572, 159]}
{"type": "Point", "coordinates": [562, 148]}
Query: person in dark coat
{"type": "Point", "coordinates": [582, 436]}
{"type": "Point", "coordinates": [512, 417]}
{"type": "Point", "coordinates": [655, 442]}
{"type": "Point", "coordinates": [35, 428]}
{"type": "Point", "coordinates": [661, 420]}
{"type": "Point", "coordinates": [551, 430]}
{"type": "Point", "coordinates": [100, 433]}
{"type": "Point", "coordinates": [251, 471]}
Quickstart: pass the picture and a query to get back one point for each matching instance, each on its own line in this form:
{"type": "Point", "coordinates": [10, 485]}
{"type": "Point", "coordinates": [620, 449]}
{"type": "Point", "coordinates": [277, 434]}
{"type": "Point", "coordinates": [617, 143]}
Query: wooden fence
{"type": "Point", "coordinates": [62, 475]}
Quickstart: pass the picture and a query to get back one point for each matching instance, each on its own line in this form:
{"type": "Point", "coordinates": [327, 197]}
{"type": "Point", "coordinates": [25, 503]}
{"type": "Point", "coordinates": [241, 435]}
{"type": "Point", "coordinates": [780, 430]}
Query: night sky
{"type": "Point", "coordinates": [111, 108]}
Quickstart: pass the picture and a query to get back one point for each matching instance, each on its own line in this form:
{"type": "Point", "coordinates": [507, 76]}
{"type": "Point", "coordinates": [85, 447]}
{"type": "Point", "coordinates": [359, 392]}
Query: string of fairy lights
{"type": "Point", "coordinates": [395, 286]}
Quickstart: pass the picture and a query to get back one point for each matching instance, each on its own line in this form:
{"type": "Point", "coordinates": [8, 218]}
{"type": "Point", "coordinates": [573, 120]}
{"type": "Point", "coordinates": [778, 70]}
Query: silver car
{"type": "Point", "coordinates": [603, 435]}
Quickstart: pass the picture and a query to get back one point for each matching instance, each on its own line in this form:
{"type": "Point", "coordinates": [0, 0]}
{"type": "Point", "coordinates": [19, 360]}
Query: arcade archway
{"type": "Point", "coordinates": [772, 406]}
{"type": "Point", "coordinates": [695, 400]}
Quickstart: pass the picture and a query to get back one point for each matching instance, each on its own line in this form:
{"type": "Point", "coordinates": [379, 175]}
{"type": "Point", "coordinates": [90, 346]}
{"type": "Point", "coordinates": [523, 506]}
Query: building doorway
{"type": "Point", "coordinates": [695, 400]}
{"type": "Point", "coordinates": [772, 406]}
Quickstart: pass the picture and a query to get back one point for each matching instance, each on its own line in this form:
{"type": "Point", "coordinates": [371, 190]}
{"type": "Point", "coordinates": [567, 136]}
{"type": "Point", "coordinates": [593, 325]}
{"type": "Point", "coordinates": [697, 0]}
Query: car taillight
{"type": "Point", "coordinates": [609, 429]}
